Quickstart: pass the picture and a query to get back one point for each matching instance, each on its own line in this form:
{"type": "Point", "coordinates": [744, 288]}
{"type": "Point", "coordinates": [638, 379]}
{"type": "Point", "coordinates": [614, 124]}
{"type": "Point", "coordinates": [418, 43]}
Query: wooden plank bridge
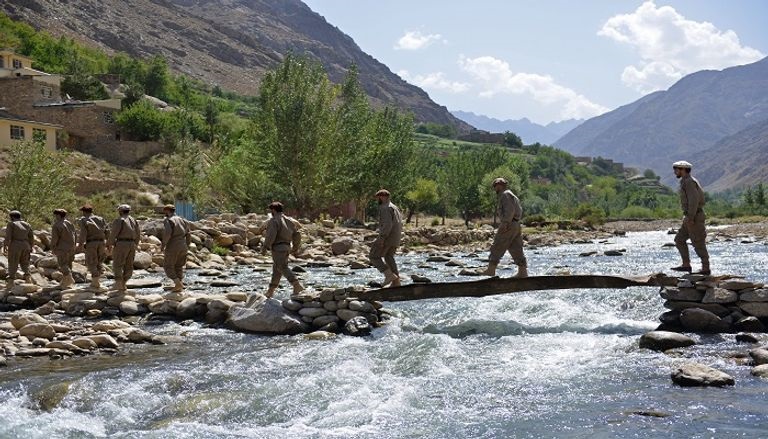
{"type": "Point", "coordinates": [495, 285]}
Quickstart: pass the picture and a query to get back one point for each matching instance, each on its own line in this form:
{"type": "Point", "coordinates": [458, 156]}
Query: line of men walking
{"type": "Point", "coordinates": [283, 238]}
{"type": "Point", "coordinates": [94, 238]}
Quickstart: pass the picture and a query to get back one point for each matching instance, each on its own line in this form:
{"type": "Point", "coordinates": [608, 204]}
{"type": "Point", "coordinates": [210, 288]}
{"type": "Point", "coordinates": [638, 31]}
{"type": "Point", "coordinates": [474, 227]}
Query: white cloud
{"type": "Point", "coordinates": [415, 40]}
{"type": "Point", "coordinates": [434, 81]}
{"type": "Point", "coordinates": [496, 77]}
{"type": "Point", "coordinates": [672, 46]}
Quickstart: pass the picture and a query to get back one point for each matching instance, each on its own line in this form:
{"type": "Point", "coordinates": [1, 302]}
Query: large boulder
{"type": "Point", "coordinates": [694, 374]}
{"type": "Point", "coordinates": [760, 295]}
{"type": "Point", "coordinates": [757, 309]}
{"type": "Point", "coordinates": [700, 320]}
{"type": "Point", "coordinates": [142, 260]}
{"type": "Point", "coordinates": [341, 246]}
{"type": "Point", "coordinates": [759, 356]}
{"type": "Point", "coordinates": [663, 340]}
{"type": "Point", "coordinates": [21, 320]}
{"type": "Point", "coordinates": [760, 371]}
{"type": "Point", "coordinates": [263, 315]}
{"type": "Point", "coordinates": [720, 295]}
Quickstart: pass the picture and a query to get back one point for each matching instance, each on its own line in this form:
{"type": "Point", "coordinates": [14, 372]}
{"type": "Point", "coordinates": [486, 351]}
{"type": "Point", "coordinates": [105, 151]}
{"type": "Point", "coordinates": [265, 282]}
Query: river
{"type": "Point", "coordinates": [528, 365]}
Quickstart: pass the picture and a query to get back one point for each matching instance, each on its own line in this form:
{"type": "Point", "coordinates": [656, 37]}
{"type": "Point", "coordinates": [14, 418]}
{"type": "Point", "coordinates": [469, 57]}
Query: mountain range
{"type": "Point", "coordinates": [529, 132]}
{"type": "Point", "coordinates": [230, 43]}
{"type": "Point", "coordinates": [706, 118]}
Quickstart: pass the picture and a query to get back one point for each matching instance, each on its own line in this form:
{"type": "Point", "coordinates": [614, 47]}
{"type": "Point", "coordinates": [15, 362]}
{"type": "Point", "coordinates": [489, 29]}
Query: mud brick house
{"type": "Point", "coordinates": [33, 95]}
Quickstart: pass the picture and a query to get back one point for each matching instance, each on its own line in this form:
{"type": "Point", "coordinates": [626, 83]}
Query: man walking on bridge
{"type": "Point", "coordinates": [63, 238]}
{"type": "Point", "coordinates": [124, 237]}
{"type": "Point", "coordinates": [176, 239]}
{"type": "Point", "coordinates": [18, 246]}
{"type": "Point", "coordinates": [281, 231]}
{"type": "Point", "coordinates": [509, 236]}
{"type": "Point", "coordinates": [692, 202]}
{"type": "Point", "coordinates": [390, 231]}
{"type": "Point", "coordinates": [92, 240]}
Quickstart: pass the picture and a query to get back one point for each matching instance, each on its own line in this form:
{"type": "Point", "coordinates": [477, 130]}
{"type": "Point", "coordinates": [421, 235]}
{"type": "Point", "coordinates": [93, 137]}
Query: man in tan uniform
{"type": "Point", "coordinates": [123, 239]}
{"type": "Point", "coordinates": [92, 240]}
{"type": "Point", "coordinates": [509, 236]}
{"type": "Point", "coordinates": [176, 239]}
{"type": "Point", "coordinates": [280, 235]}
{"type": "Point", "coordinates": [692, 202]}
{"type": "Point", "coordinates": [63, 239]}
{"type": "Point", "coordinates": [390, 231]}
{"type": "Point", "coordinates": [18, 246]}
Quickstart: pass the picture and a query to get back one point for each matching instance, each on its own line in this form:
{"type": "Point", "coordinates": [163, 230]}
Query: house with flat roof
{"type": "Point", "coordinates": [33, 95]}
{"type": "Point", "coordinates": [15, 129]}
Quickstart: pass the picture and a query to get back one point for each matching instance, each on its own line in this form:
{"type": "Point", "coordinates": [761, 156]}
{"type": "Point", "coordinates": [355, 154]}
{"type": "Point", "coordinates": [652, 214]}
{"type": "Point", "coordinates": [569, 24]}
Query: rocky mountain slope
{"type": "Point", "coordinates": [680, 123]}
{"type": "Point", "coordinates": [737, 161]}
{"type": "Point", "coordinates": [226, 42]}
{"type": "Point", "coordinates": [529, 131]}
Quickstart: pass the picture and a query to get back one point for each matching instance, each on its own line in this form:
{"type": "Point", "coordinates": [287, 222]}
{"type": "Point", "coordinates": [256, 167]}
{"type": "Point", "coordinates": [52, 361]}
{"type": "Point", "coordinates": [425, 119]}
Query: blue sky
{"type": "Point", "coordinates": [550, 60]}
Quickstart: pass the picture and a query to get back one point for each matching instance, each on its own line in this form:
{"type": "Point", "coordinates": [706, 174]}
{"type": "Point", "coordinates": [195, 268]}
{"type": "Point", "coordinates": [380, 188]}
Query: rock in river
{"type": "Point", "coordinates": [694, 374]}
{"type": "Point", "coordinates": [265, 316]}
{"type": "Point", "coordinates": [663, 340]}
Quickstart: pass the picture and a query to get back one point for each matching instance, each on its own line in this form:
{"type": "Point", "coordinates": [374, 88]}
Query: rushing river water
{"type": "Point", "coordinates": [539, 364]}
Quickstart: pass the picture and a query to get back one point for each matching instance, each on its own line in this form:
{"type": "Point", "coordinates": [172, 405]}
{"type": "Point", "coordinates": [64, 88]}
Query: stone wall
{"type": "Point", "coordinates": [705, 304]}
{"type": "Point", "coordinates": [19, 94]}
{"type": "Point", "coordinates": [123, 152]}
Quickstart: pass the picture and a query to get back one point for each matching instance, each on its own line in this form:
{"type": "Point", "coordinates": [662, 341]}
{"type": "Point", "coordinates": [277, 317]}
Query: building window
{"type": "Point", "coordinates": [46, 91]}
{"type": "Point", "coordinates": [39, 135]}
{"type": "Point", "coordinates": [17, 64]}
{"type": "Point", "coordinates": [109, 117]}
{"type": "Point", "coordinates": [17, 132]}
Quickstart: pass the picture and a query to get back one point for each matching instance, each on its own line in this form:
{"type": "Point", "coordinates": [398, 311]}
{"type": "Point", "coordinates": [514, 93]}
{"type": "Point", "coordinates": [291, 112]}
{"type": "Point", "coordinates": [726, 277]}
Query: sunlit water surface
{"type": "Point", "coordinates": [540, 364]}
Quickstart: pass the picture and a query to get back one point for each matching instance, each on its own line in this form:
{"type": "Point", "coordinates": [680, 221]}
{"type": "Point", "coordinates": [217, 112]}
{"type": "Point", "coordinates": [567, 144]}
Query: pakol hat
{"type": "Point", "coordinates": [60, 212]}
{"type": "Point", "coordinates": [500, 180]}
{"type": "Point", "coordinates": [169, 207]}
{"type": "Point", "coordinates": [682, 164]}
{"type": "Point", "coordinates": [14, 214]}
{"type": "Point", "coordinates": [86, 208]}
{"type": "Point", "coordinates": [382, 193]}
{"type": "Point", "coordinates": [124, 208]}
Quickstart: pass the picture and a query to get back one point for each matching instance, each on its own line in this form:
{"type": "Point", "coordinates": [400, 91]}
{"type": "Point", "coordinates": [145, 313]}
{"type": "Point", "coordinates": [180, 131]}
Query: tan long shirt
{"type": "Point", "coordinates": [279, 231]}
{"type": "Point", "coordinates": [510, 209]}
{"type": "Point", "coordinates": [125, 228]}
{"type": "Point", "coordinates": [63, 235]}
{"type": "Point", "coordinates": [92, 228]}
{"type": "Point", "coordinates": [390, 228]}
{"type": "Point", "coordinates": [18, 231]}
{"type": "Point", "coordinates": [691, 196]}
{"type": "Point", "coordinates": [175, 231]}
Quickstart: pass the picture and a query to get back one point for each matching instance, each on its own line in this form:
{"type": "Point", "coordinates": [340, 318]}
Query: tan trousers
{"type": "Point", "coordinates": [175, 259]}
{"type": "Point", "coordinates": [697, 233]}
{"type": "Point", "coordinates": [280, 266]}
{"type": "Point", "coordinates": [122, 260]}
{"type": "Point", "coordinates": [95, 254]}
{"type": "Point", "coordinates": [18, 255]}
{"type": "Point", "coordinates": [382, 256]}
{"type": "Point", "coordinates": [511, 240]}
{"type": "Point", "coordinates": [65, 259]}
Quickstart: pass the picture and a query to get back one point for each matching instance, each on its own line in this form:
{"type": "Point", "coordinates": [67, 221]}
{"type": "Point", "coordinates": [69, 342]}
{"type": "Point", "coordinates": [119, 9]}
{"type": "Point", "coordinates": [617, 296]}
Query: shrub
{"type": "Point", "coordinates": [221, 251]}
{"type": "Point", "coordinates": [636, 212]}
{"type": "Point", "coordinates": [435, 222]}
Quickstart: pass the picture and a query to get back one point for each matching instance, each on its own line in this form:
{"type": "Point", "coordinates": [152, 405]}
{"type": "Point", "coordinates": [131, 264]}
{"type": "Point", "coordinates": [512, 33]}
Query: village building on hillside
{"type": "Point", "coordinates": [17, 129]}
{"type": "Point", "coordinates": [35, 96]}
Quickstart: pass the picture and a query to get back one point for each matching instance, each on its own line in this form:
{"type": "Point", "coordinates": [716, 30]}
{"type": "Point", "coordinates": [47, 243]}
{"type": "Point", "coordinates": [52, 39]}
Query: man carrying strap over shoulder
{"type": "Point", "coordinates": [18, 246]}
{"type": "Point", "coordinates": [176, 239]}
{"type": "Point", "coordinates": [92, 240]}
{"type": "Point", "coordinates": [124, 237]}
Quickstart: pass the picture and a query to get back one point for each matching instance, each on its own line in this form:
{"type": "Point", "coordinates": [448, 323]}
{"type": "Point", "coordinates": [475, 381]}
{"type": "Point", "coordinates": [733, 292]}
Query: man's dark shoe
{"type": "Point", "coordinates": [682, 268]}
{"type": "Point", "coordinates": [704, 272]}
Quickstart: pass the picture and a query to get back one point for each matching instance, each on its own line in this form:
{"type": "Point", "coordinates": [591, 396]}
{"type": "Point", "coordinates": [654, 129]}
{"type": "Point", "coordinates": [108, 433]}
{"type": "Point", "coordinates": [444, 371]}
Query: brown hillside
{"type": "Point", "coordinates": [226, 42]}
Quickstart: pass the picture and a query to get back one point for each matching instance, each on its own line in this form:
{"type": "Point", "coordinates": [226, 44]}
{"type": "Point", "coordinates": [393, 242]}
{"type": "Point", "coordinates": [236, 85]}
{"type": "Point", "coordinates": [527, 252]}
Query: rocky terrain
{"type": "Point", "coordinates": [230, 43]}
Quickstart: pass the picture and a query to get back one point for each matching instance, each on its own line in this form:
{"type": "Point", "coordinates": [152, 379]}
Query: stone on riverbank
{"type": "Point", "coordinates": [694, 375]}
{"type": "Point", "coordinates": [664, 340]}
{"type": "Point", "coordinates": [760, 371]}
{"type": "Point", "coordinates": [357, 326]}
{"type": "Point", "coordinates": [700, 320]}
{"type": "Point", "coordinates": [264, 315]}
{"type": "Point", "coordinates": [759, 356]}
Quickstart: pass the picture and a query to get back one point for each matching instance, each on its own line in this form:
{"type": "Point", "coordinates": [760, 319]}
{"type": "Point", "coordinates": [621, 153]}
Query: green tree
{"type": "Point", "coordinates": [37, 182]}
{"type": "Point", "coordinates": [157, 80]}
{"type": "Point", "coordinates": [212, 118]}
{"type": "Point", "coordinates": [293, 127]}
{"type": "Point", "coordinates": [512, 140]}
{"type": "Point", "coordinates": [422, 196]}
{"type": "Point", "coordinates": [142, 121]}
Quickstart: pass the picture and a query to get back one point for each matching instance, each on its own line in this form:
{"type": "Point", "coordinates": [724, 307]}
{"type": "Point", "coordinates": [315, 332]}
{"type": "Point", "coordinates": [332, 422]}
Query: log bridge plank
{"type": "Point", "coordinates": [495, 285]}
